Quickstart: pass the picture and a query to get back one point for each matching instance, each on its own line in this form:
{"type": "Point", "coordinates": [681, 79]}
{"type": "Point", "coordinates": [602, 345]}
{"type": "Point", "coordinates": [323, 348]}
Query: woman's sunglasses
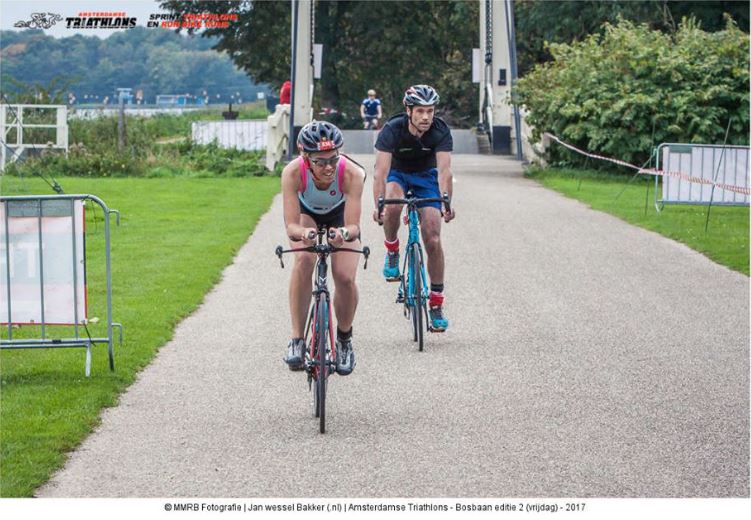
{"type": "Point", "coordinates": [331, 161]}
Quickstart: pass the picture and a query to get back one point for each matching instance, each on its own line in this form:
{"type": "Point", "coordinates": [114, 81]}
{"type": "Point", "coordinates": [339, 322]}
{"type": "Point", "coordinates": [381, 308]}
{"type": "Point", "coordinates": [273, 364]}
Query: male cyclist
{"type": "Point", "coordinates": [322, 187]}
{"type": "Point", "coordinates": [371, 111]}
{"type": "Point", "coordinates": [413, 152]}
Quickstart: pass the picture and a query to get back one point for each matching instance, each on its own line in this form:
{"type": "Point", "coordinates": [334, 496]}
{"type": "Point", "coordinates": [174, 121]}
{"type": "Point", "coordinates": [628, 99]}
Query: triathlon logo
{"type": "Point", "coordinates": [101, 20]}
{"type": "Point", "coordinates": [40, 21]}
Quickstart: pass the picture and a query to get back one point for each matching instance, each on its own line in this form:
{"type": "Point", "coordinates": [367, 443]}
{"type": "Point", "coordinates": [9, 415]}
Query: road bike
{"type": "Point", "coordinates": [413, 286]}
{"type": "Point", "coordinates": [320, 352]}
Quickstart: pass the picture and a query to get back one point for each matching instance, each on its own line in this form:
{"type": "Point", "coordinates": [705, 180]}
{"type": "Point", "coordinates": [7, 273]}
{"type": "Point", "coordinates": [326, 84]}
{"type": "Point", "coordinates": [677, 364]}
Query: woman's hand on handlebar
{"type": "Point", "coordinates": [309, 236]}
{"type": "Point", "coordinates": [336, 239]}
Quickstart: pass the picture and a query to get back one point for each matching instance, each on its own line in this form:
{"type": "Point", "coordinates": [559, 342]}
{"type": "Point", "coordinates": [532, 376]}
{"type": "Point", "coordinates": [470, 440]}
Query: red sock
{"type": "Point", "coordinates": [436, 299]}
{"type": "Point", "coordinates": [392, 247]}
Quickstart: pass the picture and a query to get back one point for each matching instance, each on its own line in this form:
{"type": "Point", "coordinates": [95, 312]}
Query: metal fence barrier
{"type": "Point", "coordinates": [244, 135]}
{"type": "Point", "coordinates": [715, 164]}
{"type": "Point", "coordinates": [19, 120]}
{"type": "Point", "coordinates": [43, 271]}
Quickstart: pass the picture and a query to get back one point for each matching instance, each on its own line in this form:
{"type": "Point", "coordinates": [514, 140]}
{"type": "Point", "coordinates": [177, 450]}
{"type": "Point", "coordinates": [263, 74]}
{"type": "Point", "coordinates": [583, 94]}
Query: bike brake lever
{"type": "Point", "coordinates": [366, 254]}
{"type": "Point", "coordinates": [380, 210]}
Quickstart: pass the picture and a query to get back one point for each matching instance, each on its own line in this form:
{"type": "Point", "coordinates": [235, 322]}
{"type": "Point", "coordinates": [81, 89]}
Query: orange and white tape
{"type": "Point", "coordinates": [743, 190]}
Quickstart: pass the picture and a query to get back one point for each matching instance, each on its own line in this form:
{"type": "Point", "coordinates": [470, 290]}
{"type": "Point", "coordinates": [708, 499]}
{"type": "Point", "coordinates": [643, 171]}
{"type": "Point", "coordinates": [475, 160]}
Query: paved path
{"type": "Point", "coordinates": [586, 357]}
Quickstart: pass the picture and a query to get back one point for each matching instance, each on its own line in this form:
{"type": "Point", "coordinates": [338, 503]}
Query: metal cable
{"type": "Point", "coordinates": [488, 32]}
{"type": "Point", "coordinates": [312, 28]}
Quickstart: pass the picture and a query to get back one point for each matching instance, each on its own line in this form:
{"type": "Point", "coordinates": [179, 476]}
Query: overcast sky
{"type": "Point", "coordinates": [12, 11]}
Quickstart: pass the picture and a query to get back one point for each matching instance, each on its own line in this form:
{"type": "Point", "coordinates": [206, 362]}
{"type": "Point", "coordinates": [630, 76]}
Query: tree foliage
{"type": "Point", "coordinates": [157, 61]}
{"type": "Point", "coordinates": [540, 23]}
{"type": "Point", "coordinates": [609, 92]}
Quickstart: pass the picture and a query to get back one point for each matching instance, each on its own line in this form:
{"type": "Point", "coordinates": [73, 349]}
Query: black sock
{"type": "Point", "coordinates": [343, 336]}
{"type": "Point", "coordinates": [436, 287]}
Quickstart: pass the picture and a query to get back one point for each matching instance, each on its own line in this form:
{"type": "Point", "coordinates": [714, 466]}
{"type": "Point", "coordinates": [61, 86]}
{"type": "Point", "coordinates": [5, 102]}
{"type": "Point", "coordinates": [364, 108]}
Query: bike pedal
{"type": "Point", "coordinates": [397, 279]}
{"type": "Point", "coordinates": [436, 331]}
{"type": "Point", "coordinates": [400, 299]}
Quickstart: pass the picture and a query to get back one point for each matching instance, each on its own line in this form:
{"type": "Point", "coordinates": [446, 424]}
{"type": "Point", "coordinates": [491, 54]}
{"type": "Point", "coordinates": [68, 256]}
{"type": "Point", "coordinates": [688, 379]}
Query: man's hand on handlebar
{"type": "Point", "coordinates": [448, 212]}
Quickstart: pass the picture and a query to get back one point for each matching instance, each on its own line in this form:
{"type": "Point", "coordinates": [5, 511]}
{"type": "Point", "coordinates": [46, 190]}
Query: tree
{"type": "Point", "coordinates": [539, 23]}
{"type": "Point", "coordinates": [259, 42]}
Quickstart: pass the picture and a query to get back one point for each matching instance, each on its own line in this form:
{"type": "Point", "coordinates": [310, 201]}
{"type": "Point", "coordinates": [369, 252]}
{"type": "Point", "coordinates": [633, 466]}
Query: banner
{"type": "Point", "coordinates": [46, 271]}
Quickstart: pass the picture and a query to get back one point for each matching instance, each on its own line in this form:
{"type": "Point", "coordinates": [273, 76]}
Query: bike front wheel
{"type": "Point", "coordinates": [418, 327]}
{"type": "Point", "coordinates": [322, 331]}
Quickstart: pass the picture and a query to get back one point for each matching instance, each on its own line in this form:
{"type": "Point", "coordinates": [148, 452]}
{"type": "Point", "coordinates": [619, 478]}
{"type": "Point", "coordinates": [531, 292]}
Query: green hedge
{"type": "Point", "coordinates": [610, 92]}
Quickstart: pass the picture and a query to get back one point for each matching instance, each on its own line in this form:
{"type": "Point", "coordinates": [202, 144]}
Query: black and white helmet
{"type": "Point", "coordinates": [423, 95]}
{"type": "Point", "coordinates": [318, 136]}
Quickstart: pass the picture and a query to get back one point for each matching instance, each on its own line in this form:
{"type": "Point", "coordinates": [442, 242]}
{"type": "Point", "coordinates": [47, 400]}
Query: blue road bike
{"type": "Point", "coordinates": [413, 283]}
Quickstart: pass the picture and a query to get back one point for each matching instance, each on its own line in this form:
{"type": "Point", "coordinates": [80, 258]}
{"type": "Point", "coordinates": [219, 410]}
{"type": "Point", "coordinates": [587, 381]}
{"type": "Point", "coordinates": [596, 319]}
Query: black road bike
{"type": "Point", "coordinates": [320, 353]}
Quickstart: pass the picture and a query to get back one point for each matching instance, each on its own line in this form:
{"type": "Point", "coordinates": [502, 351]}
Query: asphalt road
{"type": "Point", "coordinates": [585, 357]}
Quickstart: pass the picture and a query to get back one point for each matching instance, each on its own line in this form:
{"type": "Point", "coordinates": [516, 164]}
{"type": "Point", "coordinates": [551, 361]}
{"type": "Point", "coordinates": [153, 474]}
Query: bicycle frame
{"type": "Point", "coordinates": [311, 334]}
{"type": "Point", "coordinates": [407, 287]}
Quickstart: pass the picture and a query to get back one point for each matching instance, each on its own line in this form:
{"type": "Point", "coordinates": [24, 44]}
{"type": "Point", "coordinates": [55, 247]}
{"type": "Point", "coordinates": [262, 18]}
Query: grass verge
{"type": "Point", "coordinates": [175, 238]}
{"type": "Point", "coordinates": [726, 240]}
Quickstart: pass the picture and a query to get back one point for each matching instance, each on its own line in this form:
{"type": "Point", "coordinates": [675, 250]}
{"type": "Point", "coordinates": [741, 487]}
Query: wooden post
{"type": "Point", "coordinates": [121, 126]}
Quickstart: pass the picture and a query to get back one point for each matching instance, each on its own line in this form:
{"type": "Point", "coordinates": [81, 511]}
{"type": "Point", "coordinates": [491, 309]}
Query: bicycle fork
{"type": "Point", "coordinates": [312, 365]}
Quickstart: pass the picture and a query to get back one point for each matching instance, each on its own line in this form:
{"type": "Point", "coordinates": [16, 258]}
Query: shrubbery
{"type": "Point", "coordinates": [608, 93]}
{"type": "Point", "coordinates": [93, 151]}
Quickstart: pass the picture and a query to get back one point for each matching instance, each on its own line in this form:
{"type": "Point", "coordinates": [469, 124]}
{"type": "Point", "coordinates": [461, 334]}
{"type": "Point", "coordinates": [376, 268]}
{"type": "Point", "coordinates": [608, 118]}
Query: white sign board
{"type": "Point", "coordinates": [317, 60]}
{"type": "Point", "coordinates": [476, 66]}
{"type": "Point", "coordinates": [43, 267]}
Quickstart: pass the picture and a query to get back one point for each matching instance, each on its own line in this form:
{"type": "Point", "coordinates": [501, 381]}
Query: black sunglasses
{"type": "Point", "coordinates": [331, 161]}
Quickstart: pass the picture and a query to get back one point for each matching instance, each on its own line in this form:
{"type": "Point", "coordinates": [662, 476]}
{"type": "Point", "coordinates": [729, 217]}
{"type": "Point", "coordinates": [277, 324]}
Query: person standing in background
{"type": "Point", "coordinates": [370, 111]}
{"type": "Point", "coordinates": [285, 93]}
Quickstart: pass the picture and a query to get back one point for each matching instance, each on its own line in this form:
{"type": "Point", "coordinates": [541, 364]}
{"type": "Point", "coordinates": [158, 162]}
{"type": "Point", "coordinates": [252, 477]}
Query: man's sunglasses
{"type": "Point", "coordinates": [331, 161]}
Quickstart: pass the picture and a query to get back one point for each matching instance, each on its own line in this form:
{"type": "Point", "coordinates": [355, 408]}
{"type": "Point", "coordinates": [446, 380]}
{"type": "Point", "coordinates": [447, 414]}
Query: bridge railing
{"type": "Point", "coordinates": [277, 135]}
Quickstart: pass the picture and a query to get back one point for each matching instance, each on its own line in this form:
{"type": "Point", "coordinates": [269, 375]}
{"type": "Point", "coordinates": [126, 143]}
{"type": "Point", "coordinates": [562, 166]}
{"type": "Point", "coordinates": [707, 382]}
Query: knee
{"type": "Point", "coordinates": [304, 264]}
{"type": "Point", "coordinates": [432, 242]}
{"type": "Point", "coordinates": [392, 212]}
{"type": "Point", "coordinates": [344, 280]}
